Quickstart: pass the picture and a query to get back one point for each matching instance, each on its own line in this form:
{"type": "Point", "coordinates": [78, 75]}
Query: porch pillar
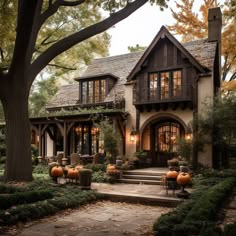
{"type": "Point", "coordinates": [65, 139]}
{"type": "Point", "coordinates": [40, 140]}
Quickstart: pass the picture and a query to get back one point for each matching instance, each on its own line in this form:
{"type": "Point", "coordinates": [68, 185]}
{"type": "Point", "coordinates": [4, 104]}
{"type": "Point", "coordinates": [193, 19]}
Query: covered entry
{"type": "Point", "coordinates": [160, 137]}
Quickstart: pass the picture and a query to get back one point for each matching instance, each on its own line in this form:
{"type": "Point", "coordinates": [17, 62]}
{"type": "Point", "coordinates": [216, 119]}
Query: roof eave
{"type": "Point", "coordinates": [163, 32]}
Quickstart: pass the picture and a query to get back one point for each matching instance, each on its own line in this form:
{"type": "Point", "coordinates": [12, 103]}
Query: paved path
{"type": "Point", "coordinates": [99, 219]}
{"type": "Point", "coordinates": [230, 210]}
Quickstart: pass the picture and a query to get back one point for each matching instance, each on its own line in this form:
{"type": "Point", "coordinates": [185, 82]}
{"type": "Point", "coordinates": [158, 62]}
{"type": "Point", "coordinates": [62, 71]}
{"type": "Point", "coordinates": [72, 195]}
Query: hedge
{"type": "Point", "coordinates": [47, 207]}
{"type": "Point", "coordinates": [9, 200]}
{"type": "Point", "coordinates": [196, 215]}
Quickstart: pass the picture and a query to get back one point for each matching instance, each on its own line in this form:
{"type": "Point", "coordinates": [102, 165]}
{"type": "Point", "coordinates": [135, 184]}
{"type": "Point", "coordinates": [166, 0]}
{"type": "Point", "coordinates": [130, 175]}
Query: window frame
{"type": "Point", "coordinates": [171, 91]}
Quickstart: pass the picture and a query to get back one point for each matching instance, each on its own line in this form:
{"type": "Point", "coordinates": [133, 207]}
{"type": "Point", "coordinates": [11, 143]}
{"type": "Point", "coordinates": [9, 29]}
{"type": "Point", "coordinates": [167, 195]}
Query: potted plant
{"type": "Point", "coordinates": [142, 158]}
{"type": "Point", "coordinates": [173, 164]}
{"type": "Point", "coordinates": [183, 166]}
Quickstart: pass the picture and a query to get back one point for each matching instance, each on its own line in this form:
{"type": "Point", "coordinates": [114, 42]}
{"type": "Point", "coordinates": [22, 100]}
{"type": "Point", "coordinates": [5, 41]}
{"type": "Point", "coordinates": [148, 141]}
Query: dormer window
{"type": "Point", "coordinates": [165, 85]}
{"type": "Point", "coordinates": [93, 91]}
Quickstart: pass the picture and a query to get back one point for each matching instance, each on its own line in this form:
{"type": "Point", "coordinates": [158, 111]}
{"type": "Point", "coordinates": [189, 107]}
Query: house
{"type": "Point", "coordinates": [152, 94]}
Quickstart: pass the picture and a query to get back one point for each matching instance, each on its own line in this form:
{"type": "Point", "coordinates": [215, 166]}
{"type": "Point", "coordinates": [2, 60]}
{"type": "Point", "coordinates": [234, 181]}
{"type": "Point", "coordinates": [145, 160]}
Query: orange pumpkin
{"type": "Point", "coordinates": [56, 171]}
{"type": "Point", "coordinates": [183, 178]}
{"type": "Point", "coordinates": [72, 173]}
{"type": "Point", "coordinates": [172, 174]}
{"type": "Point", "coordinates": [79, 167]}
{"type": "Point", "coordinates": [111, 167]}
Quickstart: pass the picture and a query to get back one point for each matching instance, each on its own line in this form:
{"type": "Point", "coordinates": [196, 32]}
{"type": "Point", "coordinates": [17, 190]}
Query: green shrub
{"type": "Point", "coordinates": [64, 198]}
{"type": "Point", "coordinates": [96, 167]}
{"type": "Point", "coordinates": [99, 177]}
{"type": "Point", "coordinates": [198, 214]}
{"type": "Point", "coordinates": [9, 200]}
{"type": "Point", "coordinates": [207, 206]}
{"type": "Point", "coordinates": [230, 230]}
{"type": "Point", "coordinates": [10, 189]}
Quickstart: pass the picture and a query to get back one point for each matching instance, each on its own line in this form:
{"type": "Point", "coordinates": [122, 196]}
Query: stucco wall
{"type": "Point", "coordinates": [131, 121]}
{"type": "Point", "coordinates": [49, 148]}
{"type": "Point", "coordinates": [185, 115]}
{"type": "Point", "coordinates": [205, 95]}
{"type": "Point", "coordinates": [205, 92]}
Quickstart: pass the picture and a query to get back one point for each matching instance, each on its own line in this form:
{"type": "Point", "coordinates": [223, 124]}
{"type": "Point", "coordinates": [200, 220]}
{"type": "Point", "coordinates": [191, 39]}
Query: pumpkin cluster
{"type": "Point", "coordinates": [112, 171]}
{"type": "Point", "coordinates": [182, 178]}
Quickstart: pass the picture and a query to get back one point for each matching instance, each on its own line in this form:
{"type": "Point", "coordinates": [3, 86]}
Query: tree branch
{"type": "Point", "coordinates": [72, 4]}
{"type": "Point", "coordinates": [53, 7]}
{"type": "Point", "coordinates": [61, 67]}
{"type": "Point", "coordinates": [68, 42]}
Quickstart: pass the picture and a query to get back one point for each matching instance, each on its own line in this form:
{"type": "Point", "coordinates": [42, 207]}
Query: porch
{"type": "Point", "coordinates": [144, 192]}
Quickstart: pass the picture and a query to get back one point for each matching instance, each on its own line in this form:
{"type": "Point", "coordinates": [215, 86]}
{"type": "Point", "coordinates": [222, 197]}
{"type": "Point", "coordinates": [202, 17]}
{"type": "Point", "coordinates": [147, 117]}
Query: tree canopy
{"type": "Point", "coordinates": [192, 25]}
{"type": "Point", "coordinates": [31, 51]}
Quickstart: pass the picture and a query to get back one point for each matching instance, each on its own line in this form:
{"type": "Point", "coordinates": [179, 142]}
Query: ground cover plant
{"type": "Point", "coordinates": [20, 202]}
{"type": "Point", "coordinates": [198, 215]}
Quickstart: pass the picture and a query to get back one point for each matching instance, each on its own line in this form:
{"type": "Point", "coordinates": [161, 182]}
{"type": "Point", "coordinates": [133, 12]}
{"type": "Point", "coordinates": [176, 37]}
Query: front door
{"type": "Point", "coordinates": [164, 140]}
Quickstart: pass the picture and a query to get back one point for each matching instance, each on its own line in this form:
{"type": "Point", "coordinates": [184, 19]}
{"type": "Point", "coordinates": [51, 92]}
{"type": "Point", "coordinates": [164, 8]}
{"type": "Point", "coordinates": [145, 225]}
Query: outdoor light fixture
{"type": "Point", "coordinates": [132, 135]}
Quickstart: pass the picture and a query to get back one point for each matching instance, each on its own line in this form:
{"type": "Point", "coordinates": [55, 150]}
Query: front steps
{"type": "Point", "coordinates": [143, 176]}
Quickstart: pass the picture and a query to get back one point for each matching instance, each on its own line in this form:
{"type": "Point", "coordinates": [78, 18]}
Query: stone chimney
{"type": "Point", "coordinates": [214, 24]}
{"type": "Point", "coordinates": [214, 29]}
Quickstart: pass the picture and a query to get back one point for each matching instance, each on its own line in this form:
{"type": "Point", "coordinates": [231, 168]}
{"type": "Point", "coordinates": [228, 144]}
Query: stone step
{"type": "Point", "coordinates": [142, 177]}
{"type": "Point", "coordinates": [143, 199]}
{"type": "Point", "coordinates": [140, 181]}
{"type": "Point", "coordinates": [148, 173]}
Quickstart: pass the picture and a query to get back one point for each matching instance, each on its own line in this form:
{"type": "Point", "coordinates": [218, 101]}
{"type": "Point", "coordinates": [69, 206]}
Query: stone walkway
{"type": "Point", "coordinates": [229, 211]}
{"type": "Point", "coordinates": [99, 219]}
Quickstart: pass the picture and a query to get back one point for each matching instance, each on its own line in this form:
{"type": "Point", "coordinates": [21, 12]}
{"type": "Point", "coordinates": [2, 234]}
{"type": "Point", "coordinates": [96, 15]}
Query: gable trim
{"type": "Point", "coordinates": [161, 35]}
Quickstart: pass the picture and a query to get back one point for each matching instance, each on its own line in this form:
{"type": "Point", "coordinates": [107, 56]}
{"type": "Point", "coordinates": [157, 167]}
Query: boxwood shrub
{"type": "Point", "coordinates": [198, 214]}
{"type": "Point", "coordinates": [9, 200]}
{"type": "Point", "coordinates": [47, 207]}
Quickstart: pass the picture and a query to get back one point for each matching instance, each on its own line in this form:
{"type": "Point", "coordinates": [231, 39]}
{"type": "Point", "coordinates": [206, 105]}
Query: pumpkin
{"type": "Point", "coordinates": [79, 167]}
{"type": "Point", "coordinates": [172, 174]}
{"type": "Point", "coordinates": [72, 173]}
{"type": "Point", "coordinates": [183, 178]}
{"type": "Point", "coordinates": [56, 171]}
{"type": "Point", "coordinates": [111, 167]}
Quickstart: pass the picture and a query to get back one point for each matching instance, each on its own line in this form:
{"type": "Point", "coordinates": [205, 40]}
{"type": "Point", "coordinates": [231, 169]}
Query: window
{"type": "Point", "coordinates": [177, 81]}
{"type": "Point", "coordinates": [165, 85]}
{"type": "Point", "coordinates": [167, 135]}
{"type": "Point", "coordinates": [93, 91]}
{"type": "Point", "coordinates": [153, 85]}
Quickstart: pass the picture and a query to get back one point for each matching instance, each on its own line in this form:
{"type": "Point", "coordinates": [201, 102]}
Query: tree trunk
{"type": "Point", "coordinates": [18, 163]}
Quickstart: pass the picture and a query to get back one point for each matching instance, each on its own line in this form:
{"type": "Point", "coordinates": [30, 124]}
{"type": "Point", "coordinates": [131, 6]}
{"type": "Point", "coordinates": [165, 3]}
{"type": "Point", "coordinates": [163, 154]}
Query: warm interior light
{"type": "Point", "coordinates": [132, 135]}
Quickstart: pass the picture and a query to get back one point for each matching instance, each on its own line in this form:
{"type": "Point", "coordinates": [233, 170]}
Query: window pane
{"type": "Point", "coordinates": [96, 91]}
{"type": "Point", "coordinates": [177, 82]}
{"type": "Point", "coordinates": [152, 85]}
{"type": "Point", "coordinates": [103, 90]}
{"type": "Point", "coordinates": [165, 77]}
{"type": "Point", "coordinates": [84, 92]}
{"type": "Point", "coordinates": [90, 92]}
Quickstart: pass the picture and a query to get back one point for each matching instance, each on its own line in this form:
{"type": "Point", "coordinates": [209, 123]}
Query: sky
{"type": "Point", "coordinates": [139, 28]}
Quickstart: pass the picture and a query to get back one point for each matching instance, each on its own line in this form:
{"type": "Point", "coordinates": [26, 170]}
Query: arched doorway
{"type": "Point", "coordinates": [160, 136]}
{"type": "Point", "coordinates": [164, 137]}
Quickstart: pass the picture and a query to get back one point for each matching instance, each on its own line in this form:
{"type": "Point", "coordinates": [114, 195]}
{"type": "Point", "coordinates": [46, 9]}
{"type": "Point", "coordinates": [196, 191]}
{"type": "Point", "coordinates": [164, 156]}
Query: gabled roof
{"type": "Point", "coordinates": [160, 35]}
{"type": "Point", "coordinates": [201, 54]}
{"type": "Point", "coordinates": [118, 66]}
{"type": "Point", "coordinates": [67, 95]}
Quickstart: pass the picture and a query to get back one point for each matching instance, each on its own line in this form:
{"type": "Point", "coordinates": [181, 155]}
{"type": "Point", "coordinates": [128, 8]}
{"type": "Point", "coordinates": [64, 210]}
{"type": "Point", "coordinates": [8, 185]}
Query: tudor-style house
{"type": "Point", "coordinates": [153, 94]}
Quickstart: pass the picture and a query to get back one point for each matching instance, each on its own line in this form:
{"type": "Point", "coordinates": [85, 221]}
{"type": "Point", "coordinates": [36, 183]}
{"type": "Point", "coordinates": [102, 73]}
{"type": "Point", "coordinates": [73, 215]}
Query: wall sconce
{"type": "Point", "coordinates": [188, 136]}
{"type": "Point", "coordinates": [132, 135]}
